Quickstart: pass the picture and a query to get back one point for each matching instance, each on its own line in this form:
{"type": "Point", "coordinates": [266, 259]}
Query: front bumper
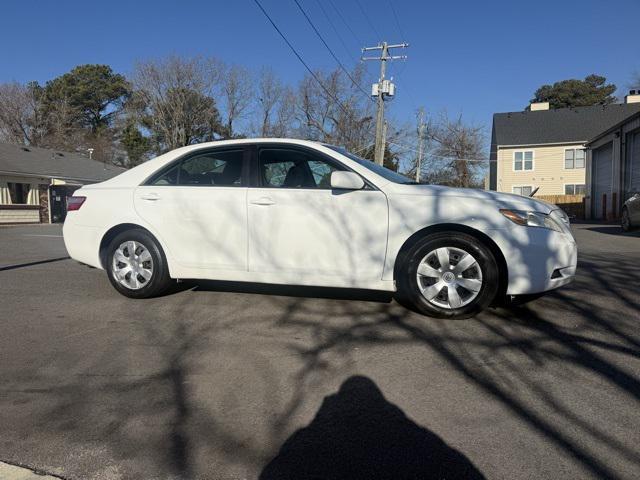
{"type": "Point", "coordinates": [538, 259]}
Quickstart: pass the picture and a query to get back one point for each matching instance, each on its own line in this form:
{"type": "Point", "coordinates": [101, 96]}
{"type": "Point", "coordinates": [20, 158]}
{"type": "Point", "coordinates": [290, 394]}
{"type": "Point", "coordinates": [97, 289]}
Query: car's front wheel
{"type": "Point", "coordinates": [136, 265]}
{"type": "Point", "coordinates": [448, 275]}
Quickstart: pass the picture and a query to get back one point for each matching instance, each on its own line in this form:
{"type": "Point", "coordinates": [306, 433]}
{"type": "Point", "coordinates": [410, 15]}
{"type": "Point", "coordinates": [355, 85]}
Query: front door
{"type": "Point", "coordinates": [303, 231]}
{"type": "Point", "coordinates": [198, 208]}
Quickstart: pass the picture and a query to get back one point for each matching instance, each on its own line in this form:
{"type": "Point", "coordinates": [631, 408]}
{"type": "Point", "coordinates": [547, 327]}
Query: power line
{"type": "Point", "coordinates": [337, 32]}
{"type": "Point", "coordinates": [295, 52]}
{"type": "Point", "coordinates": [442, 157]}
{"type": "Point", "coordinates": [366, 17]}
{"type": "Point", "coordinates": [404, 65]}
{"type": "Point", "coordinates": [330, 50]}
{"type": "Point", "coordinates": [395, 15]}
{"type": "Point", "coordinates": [360, 42]}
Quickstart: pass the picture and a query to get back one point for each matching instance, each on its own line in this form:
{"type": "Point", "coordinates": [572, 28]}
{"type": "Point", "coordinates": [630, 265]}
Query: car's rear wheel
{"type": "Point", "coordinates": [448, 275]}
{"type": "Point", "coordinates": [136, 265]}
{"type": "Point", "coordinates": [625, 222]}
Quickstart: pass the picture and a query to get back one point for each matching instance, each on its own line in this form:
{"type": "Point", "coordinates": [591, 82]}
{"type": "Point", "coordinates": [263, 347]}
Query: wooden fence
{"type": "Point", "coordinates": [572, 204]}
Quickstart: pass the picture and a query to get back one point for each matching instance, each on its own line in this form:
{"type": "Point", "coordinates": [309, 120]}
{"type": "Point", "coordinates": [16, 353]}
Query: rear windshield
{"type": "Point", "coordinates": [384, 172]}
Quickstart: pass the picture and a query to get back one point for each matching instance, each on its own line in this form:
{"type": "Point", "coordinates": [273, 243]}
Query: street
{"type": "Point", "coordinates": [234, 381]}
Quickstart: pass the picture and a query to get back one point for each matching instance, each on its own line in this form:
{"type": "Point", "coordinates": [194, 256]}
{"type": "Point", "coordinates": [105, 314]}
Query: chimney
{"type": "Point", "coordinates": [535, 106]}
{"type": "Point", "coordinates": [633, 97]}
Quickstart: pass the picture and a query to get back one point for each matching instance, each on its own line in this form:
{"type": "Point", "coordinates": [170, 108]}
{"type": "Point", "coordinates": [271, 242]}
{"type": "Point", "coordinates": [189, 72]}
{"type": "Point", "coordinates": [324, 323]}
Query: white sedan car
{"type": "Point", "coordinates": [303, 213]}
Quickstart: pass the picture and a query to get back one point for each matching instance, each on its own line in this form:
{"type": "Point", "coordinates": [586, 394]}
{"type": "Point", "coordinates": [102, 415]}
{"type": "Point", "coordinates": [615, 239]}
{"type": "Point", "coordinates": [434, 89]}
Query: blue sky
{"type": "Point", "coordinates": [473, 57]}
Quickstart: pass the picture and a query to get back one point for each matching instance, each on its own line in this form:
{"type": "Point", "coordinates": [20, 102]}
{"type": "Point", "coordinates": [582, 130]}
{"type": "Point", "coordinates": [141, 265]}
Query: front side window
{"type": "Point", "coordinates": [19, 192]}
{"type": "Point", "coordinates": [524, 191]}
{"type": "Point", "coordinates": [220, 168]}
{"type": "Point", "coordinates": [523, 160]}
{"type": "Point", "coordinates": [291, 168]}
{"type": "Point", "coordinates": [574, 158]}
{"type": "Point", "coordinates": [574, 189]}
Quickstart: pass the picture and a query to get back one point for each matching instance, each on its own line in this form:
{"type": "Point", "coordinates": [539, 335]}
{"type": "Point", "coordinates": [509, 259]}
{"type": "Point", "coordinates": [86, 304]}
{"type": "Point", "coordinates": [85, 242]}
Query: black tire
{"type": "Point", "coordinates": [625, 221]}
{"type": "Point", "coordinates": [409, 292]}
{"type": "Point", "coordinates": [159, 282]}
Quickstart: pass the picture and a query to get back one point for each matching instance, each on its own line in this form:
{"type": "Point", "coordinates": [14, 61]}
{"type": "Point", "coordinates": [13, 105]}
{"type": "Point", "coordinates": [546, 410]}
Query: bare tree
{"type": "Point", "coordinates": [19, 122]}
{"type": "Point", "coordinates": [285, 118]}
{"type": "Point", "coordinates": [269, 93]}
{"type": "Point", "coordinates": [457, 148]}
{"type": "Point", "coordinates": [337, 113]}
{"type": "Point", "coordinates": [237, 91]}
{"type": "Point", "coordinates": [60, 128]}
{"type": "Point", "coordinates": [174, 99]}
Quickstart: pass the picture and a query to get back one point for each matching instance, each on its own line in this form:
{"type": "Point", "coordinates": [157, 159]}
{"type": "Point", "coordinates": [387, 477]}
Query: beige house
{"type": "Point", "coordinates": [35, 182]}
{"type": "Point", "coordinates": [546, 148]}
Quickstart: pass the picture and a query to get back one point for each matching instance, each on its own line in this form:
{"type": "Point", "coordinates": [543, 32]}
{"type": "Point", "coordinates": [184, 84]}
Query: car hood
{"type": "Point", "coordinates": [502, 200]}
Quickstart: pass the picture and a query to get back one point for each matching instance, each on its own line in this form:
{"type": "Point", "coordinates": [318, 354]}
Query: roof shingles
{"type": "Point", "coordinates": [562, 125]}
{"type": "Point", "coordinates": [20, 160]}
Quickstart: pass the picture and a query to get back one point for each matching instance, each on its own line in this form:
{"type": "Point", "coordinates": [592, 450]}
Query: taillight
{"type": "Point", "coordinates": [74, 203]}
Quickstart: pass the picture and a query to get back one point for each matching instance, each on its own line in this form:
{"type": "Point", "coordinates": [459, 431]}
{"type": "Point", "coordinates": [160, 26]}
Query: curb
{"type": "Point", "coordinates": [15, 471]}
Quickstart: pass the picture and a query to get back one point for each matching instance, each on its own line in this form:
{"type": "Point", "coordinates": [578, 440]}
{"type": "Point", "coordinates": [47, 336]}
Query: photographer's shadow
{"type": "Point", "coordinates": [357, 433]}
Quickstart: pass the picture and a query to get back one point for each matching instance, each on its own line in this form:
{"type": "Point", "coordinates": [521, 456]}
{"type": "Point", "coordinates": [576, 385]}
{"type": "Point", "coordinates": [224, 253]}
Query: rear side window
{"type": "Point", "coordinates": [216, 168]}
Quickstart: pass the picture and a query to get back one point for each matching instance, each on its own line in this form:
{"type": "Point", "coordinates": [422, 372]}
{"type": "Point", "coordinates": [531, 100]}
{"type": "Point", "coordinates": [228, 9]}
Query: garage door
{"type": "Point", "coordinates": [601, 169]}
{"type": "Point", "coordinates": [632, 180]}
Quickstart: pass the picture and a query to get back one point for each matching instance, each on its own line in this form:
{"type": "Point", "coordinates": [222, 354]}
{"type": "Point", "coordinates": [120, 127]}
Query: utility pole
{"type": "Point", "coordinates": [384, 139]}
{"type": "Point", "coordinates": [381, 90]}
{"type": "Point", "coordinates": [420, 142]}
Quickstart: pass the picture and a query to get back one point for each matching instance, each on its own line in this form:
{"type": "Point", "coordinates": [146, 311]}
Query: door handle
{"type": "Point", "coordinates": [150, 196]}
{"type": "Point", "coordinates": [263, 201]}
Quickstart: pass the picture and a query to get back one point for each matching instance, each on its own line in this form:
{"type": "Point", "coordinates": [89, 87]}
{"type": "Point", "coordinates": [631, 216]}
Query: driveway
{"type": "Point", "coordinates": [230, 381]}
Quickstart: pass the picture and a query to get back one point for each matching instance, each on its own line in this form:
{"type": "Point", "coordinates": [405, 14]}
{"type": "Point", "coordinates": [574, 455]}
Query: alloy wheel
{"type": "Point", "coordinates": [449, 277]}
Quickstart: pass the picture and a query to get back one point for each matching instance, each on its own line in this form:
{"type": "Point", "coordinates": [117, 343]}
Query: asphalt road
{"type": "Point", "coordinates": [222, 381]}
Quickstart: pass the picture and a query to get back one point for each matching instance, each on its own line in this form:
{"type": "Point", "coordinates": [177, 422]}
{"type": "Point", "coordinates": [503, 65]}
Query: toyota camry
{"type": "Point", "coordinates": [297, 212]}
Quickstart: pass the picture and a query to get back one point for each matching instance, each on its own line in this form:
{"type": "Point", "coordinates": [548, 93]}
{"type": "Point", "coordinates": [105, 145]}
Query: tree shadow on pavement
{"type": "Point", "coordinates": [356, 434]}
{"type": "Point", "coordinates": [559, 375]}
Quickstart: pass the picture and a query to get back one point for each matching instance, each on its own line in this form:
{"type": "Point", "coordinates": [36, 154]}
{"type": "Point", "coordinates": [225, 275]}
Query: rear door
{"type": "Point", "coordinates": [198, 207]}
{"type": "Point", "coordinates": [303, 231]}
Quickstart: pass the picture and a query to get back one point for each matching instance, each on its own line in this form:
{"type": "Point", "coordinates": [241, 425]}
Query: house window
{"type": "Point", "coordinates": [523, 160]}
{"type": "Point", "coordinates": [574, 189]}
{"type": "Point", "coordinates": [524, 191]}
{"type": "Point", "coordinates": [574, 158]}
{"type": "Point", "coordinates": [19, 192]}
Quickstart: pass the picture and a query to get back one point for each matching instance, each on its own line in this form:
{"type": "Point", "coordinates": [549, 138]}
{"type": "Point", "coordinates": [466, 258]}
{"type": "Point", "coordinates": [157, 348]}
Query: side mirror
{"type": "Point", "coordinates": [346, 181]}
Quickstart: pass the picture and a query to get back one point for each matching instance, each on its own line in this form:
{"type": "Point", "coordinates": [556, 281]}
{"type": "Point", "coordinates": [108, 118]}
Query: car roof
{"type": "Point", "coordinates": [139, 174]}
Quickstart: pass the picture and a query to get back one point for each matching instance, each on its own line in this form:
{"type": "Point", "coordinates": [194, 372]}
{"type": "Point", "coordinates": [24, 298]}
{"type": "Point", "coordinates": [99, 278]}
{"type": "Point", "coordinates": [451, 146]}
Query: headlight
{"type": "Point", "coordinates": [532, 219]}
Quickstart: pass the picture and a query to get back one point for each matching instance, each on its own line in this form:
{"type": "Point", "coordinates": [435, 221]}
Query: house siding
{"type": "Point", "coordinates": [617, 138]}
{"type": "Point", "coordinates": [34, 211]}
{"type": "Point", "coordinates": [548, 169]}
{"type": "Point", "coordinates": [28, 214]}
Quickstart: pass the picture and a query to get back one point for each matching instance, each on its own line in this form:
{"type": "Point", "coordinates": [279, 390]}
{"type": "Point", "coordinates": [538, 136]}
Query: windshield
{"type": "Point", "coordinates": [374, 167]}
